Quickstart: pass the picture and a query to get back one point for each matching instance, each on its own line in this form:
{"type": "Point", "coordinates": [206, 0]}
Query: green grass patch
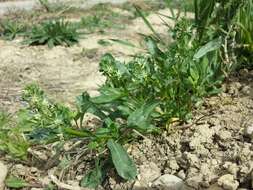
{"type": "Point", "coordinates": [53, 33]}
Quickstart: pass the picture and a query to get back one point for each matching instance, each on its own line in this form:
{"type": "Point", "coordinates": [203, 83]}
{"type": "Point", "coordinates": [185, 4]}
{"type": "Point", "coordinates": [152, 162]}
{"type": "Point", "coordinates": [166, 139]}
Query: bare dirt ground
{"type": "Point", "coordinates": [64, 72]}
{"type": "Point", "coordinates": [213, 152]}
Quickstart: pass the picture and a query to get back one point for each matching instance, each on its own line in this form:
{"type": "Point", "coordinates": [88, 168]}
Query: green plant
{"type": "Point", "coordinates": [9, 136]}
{"type": "Point", "coordinates": [100, 18]}
{"type": "Point", "coordinates": [10, 29]}
{"type": "Point", "coordinates": [53, 33]}
{"type": "Point", "coordinates": [175, 80]}
{"type": "Point", "coordinates": [232, 21]}
{"type": "Point", "coordinates": [141, 96]}
{"type": "Point", "coordinates": [43, 122]}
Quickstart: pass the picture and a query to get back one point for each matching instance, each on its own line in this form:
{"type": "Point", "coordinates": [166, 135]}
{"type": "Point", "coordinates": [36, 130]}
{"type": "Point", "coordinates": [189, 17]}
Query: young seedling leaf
{"type": "Point", "coordinates": [121, 160]}
{"type": "Point", "coordinates": [210, 46]}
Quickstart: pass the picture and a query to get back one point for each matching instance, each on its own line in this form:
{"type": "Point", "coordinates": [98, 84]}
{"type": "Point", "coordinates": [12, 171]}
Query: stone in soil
{"type": "Point", "coordinates": [3, 174]}
{"type": "Point", "coordinates": [168, 181]}
{"type": "Point", "coordinates": [228, 182]}
{"type": "Point", "coordinates": [147, 174]}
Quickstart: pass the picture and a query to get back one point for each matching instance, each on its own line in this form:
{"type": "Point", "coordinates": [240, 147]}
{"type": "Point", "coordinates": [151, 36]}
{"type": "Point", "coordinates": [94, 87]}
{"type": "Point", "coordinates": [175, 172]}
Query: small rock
{"type": "Point", "coordinates": [20, 169]}
{"type": "Point", "coordinates": [173, 164]}
{"type": "Point", "coordinates": [234, 88]}
{"type": "Point", "coordinates": [181, 174]}
{"type": "Point", "coordinates": [228, 182]}
{"type": "Point", "coordinates": [148, 173]}
{"type": "Point", "coordinates": [244, 72]}
{"type": "Point", "coordinates": [195, 181]}
{"type": "Point", "coordinates": [215, 187]}
{"type": "Point", "coordinates": [248, 131]}
{"type": "Point", "coordinates": [232, 168]}
{"type": "Point", "coordinates": [3, 174]}
{"type": "Point", "coordinates": [168, 181]}
{"type": "Point", "coordinates": [246, 90]}
{"type": "Point", "coordinates": [224, 135]}
{"type": "Point", "coordinates": [193, 160]}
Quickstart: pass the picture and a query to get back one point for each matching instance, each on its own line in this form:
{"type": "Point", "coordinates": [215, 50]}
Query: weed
{"type": "Point", "coordinates": [103, 18]}
{"type": "Point", "coordinates": [53, 33]}
{"type": "Point", "coordinates": [141, 96]}
{"type": "Point", "coordinates": [10, 29]}
{"type": "Point", "coordinates": [231, 20]}
{"type": "Point", "coordinates": [9, 136]}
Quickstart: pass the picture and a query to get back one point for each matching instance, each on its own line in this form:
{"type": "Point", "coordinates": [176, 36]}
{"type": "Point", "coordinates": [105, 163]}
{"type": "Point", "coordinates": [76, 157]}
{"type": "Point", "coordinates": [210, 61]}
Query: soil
{"type": "Point", "coordinates": [214, 151]}
{"type": "Point", "coordinates": [64, 72]}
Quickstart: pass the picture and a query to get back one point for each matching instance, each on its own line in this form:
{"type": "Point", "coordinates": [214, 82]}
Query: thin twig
{"type": "Point", "coordinates": [194, 122]}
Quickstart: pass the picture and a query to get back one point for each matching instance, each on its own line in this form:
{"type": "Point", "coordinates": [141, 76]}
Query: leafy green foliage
{"type": "Point", "coordinates": [101, 17]}
{"type": "Point", "coordinates": [15, 183]}
{"type": "Point", "coordinates": [143, 95]}
{"type": "Point", "coordinates": [53, 33]}
{"type": "Point", "coordinates": [209, 47]}
{"type": "Point", "coordinates": [232, 21]}
{"type": "Point", "coordinates": [11, 29]}
{"type": "Point", "coordinates": [94, 178]}
{"type": "Point", "coordinates": [43, 121]}
{"type": "Point", "coordinates": [9, 136]}
{"type": "Point", "coordinates": [122, 162]}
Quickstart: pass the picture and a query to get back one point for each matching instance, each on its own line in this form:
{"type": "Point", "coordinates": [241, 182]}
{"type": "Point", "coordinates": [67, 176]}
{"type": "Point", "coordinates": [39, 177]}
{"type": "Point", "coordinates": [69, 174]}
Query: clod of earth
{"type": "Point", "coordinates": [3, 174]}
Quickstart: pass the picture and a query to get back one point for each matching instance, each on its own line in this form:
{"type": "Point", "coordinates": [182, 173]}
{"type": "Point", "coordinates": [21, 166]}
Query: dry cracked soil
{"type": "Point", "coordinates": [213, 152]}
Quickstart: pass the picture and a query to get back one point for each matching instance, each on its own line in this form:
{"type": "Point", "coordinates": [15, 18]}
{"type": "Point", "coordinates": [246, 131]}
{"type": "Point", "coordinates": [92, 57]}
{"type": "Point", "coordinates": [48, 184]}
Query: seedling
{"type": "Point", "coordinates": [11, 29]}
{"type": "Point", "coordinates": [53, 33]}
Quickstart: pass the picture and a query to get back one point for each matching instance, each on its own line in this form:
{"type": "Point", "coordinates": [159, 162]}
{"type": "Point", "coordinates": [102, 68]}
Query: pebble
{"type": "Point", "coordinates": [195, 181]}
{"type": "Point", "coordinates": [246, 90]}
{"type": "Point", "coordinates": [232, 168]}
{"type": "Point", "coordinates": [148, 173]}
{"type": "Point", "coordinates": [168, 181]}
{"type": "Point", "coordinates": [224, 135]}
{"type": "Point", "coordinates": [3, 174]}
{"type": "Point", "coordinates": [228, 182]}
{"type": "Point", "coordinates": [181, 174]}
{"type": "Point", "coordinates": [248, 131]}
{"type": "Point", "coordinates": [244, 72]}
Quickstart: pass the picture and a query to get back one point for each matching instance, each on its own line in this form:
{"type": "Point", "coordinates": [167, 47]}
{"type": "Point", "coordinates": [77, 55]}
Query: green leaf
{"type": "Point", "coordinates": [121, 160]}
{"type": "Point", "coordinates": [84, 105]}
{"type": "Point", "coordinates": [108, 95]}
{"type": "Point", "coordinates": [123, 42]}
{"type": "Point", "coordinates": [210, 46]}
{"type": "Point", "coordinates": [94, 178]}
{"type": "Point", "coordinates": [140, 118]}
{"type": "Point", "coordinates": [149, 25]}
{"type": "Point", "coordinates": [16, 183]}
{"type": "Point", "coordinates": [152, 46]}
